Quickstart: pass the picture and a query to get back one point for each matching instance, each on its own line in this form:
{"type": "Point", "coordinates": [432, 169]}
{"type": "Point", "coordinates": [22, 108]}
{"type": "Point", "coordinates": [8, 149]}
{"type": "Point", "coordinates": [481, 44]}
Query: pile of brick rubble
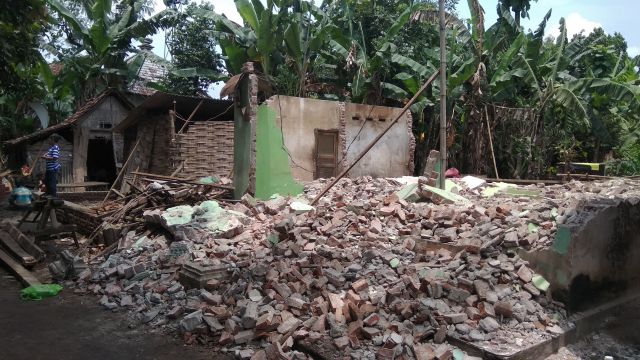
{"type": "Point", "coordinates": [368, 273]}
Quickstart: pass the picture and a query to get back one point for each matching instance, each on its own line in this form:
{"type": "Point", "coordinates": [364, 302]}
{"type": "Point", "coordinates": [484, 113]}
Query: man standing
{"type": "Point", "coordinates": [53, 165]}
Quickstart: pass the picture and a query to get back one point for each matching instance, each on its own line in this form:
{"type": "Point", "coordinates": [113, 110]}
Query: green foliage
{"type": "Point", "coordinates": [194, 57]}
{"type": "Point", "coordinates": [88, 40]}
{"type": "Point", "coordinates": [21, 24]}
{"type": "Point", "coordinates": [100, 38]}
{"type": "Point", "coordinates": [520, 8]}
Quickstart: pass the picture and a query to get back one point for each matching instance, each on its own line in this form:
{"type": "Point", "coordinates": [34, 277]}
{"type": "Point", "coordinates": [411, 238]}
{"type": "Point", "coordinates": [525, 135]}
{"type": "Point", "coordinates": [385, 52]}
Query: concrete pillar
{"type": "Point", "coordinates": [245, 118]}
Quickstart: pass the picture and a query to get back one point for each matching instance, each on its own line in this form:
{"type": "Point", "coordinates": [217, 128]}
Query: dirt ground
{"type": "Point", "coordinates": [619, 338]}
{"type": "Point", "coordinates": [71, 327]}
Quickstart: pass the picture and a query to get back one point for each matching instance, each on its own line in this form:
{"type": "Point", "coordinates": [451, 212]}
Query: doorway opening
{"type": "Point", "coordinates": [101, 165]}
{"type": "Point", "coordinates": [326, 153]}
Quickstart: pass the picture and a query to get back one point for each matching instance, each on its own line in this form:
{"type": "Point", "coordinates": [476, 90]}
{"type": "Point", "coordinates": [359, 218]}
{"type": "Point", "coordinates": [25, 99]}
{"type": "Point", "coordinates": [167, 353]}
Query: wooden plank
{"type": "Point", "coordinates": [151, 179]}
{"type": "Point", "coordinates": [26, 277]}
{"type": "Point", "coordinates": [596, 177]}
{"type": "Point", "coordinates": [77, 207]}
{"type": "Point", "coordinates": [83, 184]}
{"type": "Point", "coordinates": [161, 177]}
{"type": "Point", "coordinates": [80, 147]}
{"type": "Point", "coordinates": [526, 181]}
{"type": "Point", "coordinates": [26, 243]}
{"type": "Point", "coordinates": [124, 167]}
{"type": "Point", "coordinates": [10, 244]}
{"type": "Point", "coordinates": [61, 229]}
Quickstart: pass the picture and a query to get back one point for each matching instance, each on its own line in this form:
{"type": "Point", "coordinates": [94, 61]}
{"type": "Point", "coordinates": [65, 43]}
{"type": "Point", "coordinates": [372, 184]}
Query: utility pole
{"type": "Point", "coordinates": [443, 97]}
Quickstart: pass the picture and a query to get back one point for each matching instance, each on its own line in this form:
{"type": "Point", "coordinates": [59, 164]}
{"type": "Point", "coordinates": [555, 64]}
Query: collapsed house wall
{"type": "Point", "coordinates": [206, 148]}
{"type": "Point", "coordinates": [356, 125]}
{"type": "Point", "coordinates": [599, 249]}
{"type": "Point", "coordinates": [299, 118]}
{"type": "Point", "coordinates": [310, 139]}
{"type": "Point", "coordinates": [272, 171]}
{"type": "Point", "coordinates": [392, 155]}
{"type": "Point", "coordinates": [153, 136]}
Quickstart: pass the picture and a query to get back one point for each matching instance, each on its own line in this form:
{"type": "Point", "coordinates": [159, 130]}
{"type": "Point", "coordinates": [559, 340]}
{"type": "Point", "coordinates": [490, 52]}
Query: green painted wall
{"type": "Point", "coordinates": [273, 171]}
{"type": "Point", "coordinates": [563, 240]}
{"type": "Point", "coordinates": [241, 143]}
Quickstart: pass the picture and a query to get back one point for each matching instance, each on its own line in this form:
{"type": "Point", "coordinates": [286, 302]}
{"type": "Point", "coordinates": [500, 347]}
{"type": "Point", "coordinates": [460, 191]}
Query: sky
{"type": "Point", "coordinates": [580, 15]}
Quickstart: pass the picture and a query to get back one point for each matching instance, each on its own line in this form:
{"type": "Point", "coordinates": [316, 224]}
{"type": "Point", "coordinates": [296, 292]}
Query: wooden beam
{"type": "Point", "coordinates": [443, 94]}
{"type": "Point", "coordinates": [26, 277]}
{"type": "Point", "coordinates": [596, 177]}
{"type": "Point", "coordinates": [375, 141]}
{"type": "Point", "coordinates": [190, 116]}
{"type": "Point", "coordinates": [124, 167]}
{"type": "Point", "coordinates": [493, 155]}
{"type": "Point", "coordinates": [526, 181]}
{"type": "Point", "coordinates": [10, 244]}
{"type": "Point", "coordinates": [161, 177]}
{"type": "Point", "coordinates": [178, 169]}
{"type": "Point", "coordinates": [77, 207]}
{"type": "Point", "coordinates": [80, 147]}
{"type": "Point", "coordinates": [153, 177]}
{"type": "Point", "coordinates": [26, 243]}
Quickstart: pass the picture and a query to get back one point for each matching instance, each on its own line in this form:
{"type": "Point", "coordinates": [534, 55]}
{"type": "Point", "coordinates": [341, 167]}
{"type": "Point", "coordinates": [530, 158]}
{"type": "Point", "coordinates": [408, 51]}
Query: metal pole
{"type": "Point", "coordinates": [443, 97]}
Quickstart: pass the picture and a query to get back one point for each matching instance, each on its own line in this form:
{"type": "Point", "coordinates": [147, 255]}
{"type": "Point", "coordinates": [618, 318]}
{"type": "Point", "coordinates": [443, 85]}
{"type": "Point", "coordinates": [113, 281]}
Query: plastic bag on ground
{"type": "Point", "coordinates": [39, 292]}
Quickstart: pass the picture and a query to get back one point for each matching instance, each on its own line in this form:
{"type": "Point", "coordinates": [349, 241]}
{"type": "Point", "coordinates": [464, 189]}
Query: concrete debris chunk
{"type": "Point", "coordinates": [192, 321]}
{"type": "Point", "coordinates": [489, 324]}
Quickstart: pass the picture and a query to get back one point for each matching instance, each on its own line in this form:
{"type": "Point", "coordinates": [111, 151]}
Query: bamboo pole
{"type": "Point", "coordinates": [122, 170]}
{"type": "Point", "coordinates": [37, 159]}
{"type": "Point", "coordinates": [190, 116]}
{"type": "Point", "coordinates": [493, 155]}
{"type": "Point", "coordinates": [366, 150]}
{"type": "Point", "coordinates": [443, 96]}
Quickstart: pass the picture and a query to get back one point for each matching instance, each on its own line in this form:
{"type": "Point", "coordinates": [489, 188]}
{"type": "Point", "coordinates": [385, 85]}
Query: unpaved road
{"type": "Point", "coordinates": [70, 327]}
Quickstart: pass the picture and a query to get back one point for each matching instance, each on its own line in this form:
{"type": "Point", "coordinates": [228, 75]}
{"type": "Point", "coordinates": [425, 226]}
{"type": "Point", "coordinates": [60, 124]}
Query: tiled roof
{"type": "Point", "coordinates": [83, 110]}
{"type": "Point", "coordinates": [56, 68]}
{"type": "Point", "coordinates": [153, 69]}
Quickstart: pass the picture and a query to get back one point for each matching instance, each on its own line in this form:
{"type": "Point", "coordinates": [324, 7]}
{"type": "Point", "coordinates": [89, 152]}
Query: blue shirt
{"type": "Point", "coordinates": [53, 164]}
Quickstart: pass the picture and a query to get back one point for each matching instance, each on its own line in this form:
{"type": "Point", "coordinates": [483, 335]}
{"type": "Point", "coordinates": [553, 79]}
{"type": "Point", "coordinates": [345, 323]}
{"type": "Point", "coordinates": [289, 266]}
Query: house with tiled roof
{"type": "Point", "coordinates": [152, 69]}
{"type": "Point", "coordinates": [89, 150]}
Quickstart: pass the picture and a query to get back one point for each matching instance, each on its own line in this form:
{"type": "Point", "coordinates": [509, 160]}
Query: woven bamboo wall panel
{"type": "Point", "coordinates": [206, 148]}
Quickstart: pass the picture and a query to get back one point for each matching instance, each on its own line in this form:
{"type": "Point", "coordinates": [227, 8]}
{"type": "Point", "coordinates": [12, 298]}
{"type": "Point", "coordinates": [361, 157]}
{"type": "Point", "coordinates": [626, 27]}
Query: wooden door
{"type": "Point", "coordinates": [326, 153]}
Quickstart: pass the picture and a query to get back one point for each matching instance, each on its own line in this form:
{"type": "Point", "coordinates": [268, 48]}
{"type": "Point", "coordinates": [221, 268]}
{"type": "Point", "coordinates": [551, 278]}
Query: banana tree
{"type": "Point", "coordinates": [259, 39]}
{"type": "Point", "coordinates": [368, 70]}
{"type": "Point", "coordinates": [102, 45]}
{"type": "Point", "coordinates": [306, 34]}
{"type": "Point", "coordinates": [562, 102]}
